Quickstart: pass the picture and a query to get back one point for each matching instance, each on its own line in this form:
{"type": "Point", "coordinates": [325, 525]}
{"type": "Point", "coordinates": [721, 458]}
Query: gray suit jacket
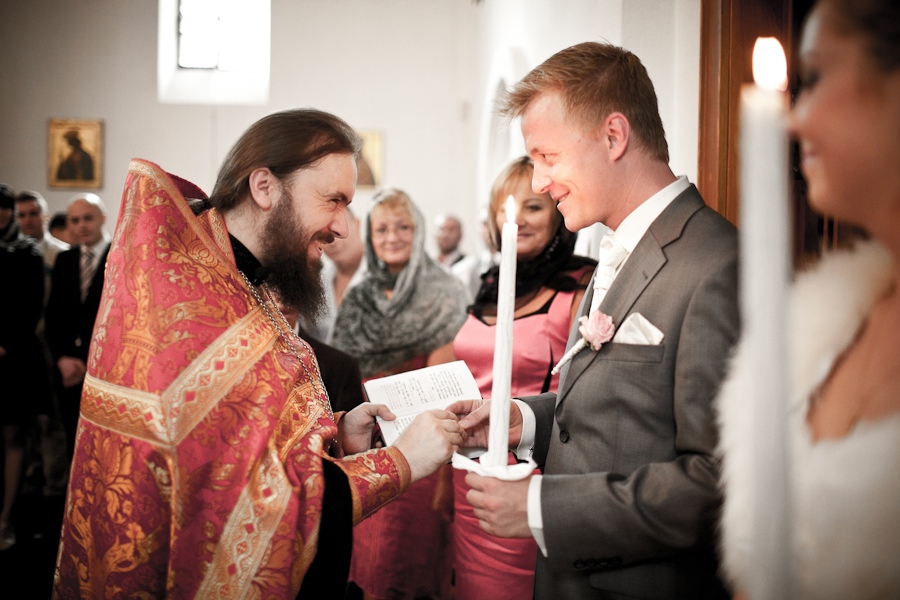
{"type": "Point", "coordinates": [629, 497]}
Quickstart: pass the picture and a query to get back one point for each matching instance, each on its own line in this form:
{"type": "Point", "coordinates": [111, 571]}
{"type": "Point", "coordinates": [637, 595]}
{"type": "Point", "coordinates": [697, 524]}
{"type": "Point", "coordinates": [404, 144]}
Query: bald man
{"type": "Point", "coordinates": [449, 235]}
{"type": "Point", "coordinates": [76, 284]}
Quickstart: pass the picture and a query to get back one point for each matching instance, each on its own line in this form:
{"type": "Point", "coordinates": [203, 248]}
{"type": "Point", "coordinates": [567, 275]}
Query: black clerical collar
{"type": "Point", "coordinates": [246, 263]}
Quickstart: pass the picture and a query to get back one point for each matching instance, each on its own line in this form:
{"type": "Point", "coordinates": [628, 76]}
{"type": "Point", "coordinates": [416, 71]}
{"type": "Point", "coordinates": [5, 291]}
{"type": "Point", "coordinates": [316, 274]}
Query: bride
{"type": "Point", "coordinates": [844, 326]}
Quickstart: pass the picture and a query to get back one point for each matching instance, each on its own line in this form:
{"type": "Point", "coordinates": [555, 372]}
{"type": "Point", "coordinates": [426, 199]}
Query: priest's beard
{"type": "Point", "coordinates": [294, 278]}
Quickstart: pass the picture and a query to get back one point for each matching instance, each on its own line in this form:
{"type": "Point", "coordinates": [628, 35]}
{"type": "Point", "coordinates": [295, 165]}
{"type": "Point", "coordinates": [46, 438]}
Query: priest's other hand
{"type": "Point", "coordinates": [429, 441]}
{"type": "Point", "coordinates": [355, 429]}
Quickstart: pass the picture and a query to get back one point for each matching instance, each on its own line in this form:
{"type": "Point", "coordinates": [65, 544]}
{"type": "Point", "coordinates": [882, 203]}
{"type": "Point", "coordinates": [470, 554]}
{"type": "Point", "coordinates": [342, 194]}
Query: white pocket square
{"type": "Point", "coordinates": [638, 330]}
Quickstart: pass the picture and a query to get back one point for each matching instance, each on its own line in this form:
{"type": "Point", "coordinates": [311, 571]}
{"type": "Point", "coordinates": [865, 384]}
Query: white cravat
{"type": "Point", "coordinates": [87, 270]}
{"type": "Point", "coordinates": [611, 255]}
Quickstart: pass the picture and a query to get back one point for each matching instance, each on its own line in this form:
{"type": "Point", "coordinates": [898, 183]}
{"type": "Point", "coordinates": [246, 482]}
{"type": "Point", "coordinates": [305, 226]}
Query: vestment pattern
{"type": "Point", "coordinates": [198, 463]}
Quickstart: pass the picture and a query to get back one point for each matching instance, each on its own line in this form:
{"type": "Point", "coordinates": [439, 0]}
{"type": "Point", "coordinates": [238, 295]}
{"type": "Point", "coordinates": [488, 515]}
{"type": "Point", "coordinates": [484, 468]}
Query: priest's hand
{"type": "Point", "coordinates": [356, 427]}
{"type": "Point", "coordinates": [429, 442]}
{"type": "Point", "coordinates": [474, 417]}
{"type": "Point", "coordinates": [500, 506]}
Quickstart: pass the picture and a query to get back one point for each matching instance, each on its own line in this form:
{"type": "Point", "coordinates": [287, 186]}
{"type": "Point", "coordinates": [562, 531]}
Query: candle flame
{"type": "Point", "coordinates": [769, 64]}
{"type": "Point", "coordinates": [510, 209]}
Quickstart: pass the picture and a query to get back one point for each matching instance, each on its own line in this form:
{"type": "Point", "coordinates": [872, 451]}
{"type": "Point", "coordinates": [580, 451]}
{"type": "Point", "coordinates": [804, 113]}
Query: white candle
{"type": "Point", "coordinates": [498, 432]}
{"type": "Point", "coordinates": [765, 275]}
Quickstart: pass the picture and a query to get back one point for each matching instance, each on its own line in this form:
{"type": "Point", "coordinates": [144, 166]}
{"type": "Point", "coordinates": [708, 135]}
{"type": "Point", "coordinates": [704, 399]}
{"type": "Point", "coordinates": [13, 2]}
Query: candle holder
{"type": "Point", "coordinates": [505, 472]}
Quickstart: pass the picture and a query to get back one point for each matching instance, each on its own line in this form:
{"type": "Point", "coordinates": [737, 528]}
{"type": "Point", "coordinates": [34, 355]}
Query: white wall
{"type": "Point", "coordinates": [418, 70]}
{"type": "Point", "coordinates": [515, 36]}
{"type": "Point", "coordinates": [663, 33]}
{"type": "Point", "coordinates": [666, 36]}
{"type": "Point", "coordinates": [392, 65]}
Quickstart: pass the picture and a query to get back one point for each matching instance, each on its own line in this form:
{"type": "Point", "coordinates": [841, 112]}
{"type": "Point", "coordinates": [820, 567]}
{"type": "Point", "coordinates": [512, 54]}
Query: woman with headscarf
{"type": "Point", "coordinates": [404, 315]}
{"type": "Point", "coordinates": [550, 282]}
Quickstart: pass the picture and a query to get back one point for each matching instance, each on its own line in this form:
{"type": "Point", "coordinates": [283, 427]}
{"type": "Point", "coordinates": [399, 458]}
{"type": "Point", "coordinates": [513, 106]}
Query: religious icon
{"type": "Point", "coordinates": [370, 163]}
{"type": "Point", "coordinates": [74, 153]}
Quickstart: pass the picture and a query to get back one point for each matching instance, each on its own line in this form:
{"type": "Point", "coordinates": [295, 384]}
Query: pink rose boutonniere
{"type": "Point", "coordinates": [595, 331]}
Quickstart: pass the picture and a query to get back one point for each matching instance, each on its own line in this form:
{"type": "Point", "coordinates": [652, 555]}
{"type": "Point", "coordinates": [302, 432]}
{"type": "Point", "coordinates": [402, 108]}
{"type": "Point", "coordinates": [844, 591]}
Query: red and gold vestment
{"type": "Point", "coordinates": [198, 468]}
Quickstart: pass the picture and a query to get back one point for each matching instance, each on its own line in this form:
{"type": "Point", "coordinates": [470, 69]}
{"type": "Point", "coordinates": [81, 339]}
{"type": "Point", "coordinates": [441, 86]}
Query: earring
{"type": "Point", "coordinates": [553, 244]}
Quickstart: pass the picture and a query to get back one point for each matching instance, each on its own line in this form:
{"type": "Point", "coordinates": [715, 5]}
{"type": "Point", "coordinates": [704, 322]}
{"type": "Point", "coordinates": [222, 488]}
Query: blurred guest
{"type": "Point", "coordinates": [550, 283]}
{"type": "Point", "coordinates": [342, 267]}
{"type": "Point", "coordinates": [407, 308]}
{"type": "Point", "coordinates": [844, 327]}
{"type": "Point", "coordinates": [32, 216]}
{"type": "Point", "coordinates": [470, 269]}
{"type": "Point", "coordinates": [23, 369]}
{"type": "Point", "coordinates": [340, 374]}
{"type": "Point", "coordinates": [449, 235]}
{"type": "Point", "coordinates": [75, 288]}
{"type": "Point", "coordinates": [402, 316]}
{"type": "Point", "coordinates": [58, 227]}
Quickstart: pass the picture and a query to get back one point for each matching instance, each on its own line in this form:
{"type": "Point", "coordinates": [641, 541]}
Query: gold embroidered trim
{"type": "Point", "coordinates": [124, 410]}
{"type": "Point", "coordinates": [167, 419]}
{"type": "Point", "coordinates": [249, 530]}
{"type": "Point", "coordinates": [217, 225]}
{"type": "Point", "coordinates": [301, 415]}
{"type": "Point", "coordinates": [212, 374]}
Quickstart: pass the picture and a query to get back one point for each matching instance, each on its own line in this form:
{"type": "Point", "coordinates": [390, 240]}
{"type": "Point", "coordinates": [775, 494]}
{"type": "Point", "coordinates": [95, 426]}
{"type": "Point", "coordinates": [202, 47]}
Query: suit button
{"type": "Point", "coordinates": [579, 564]}
{"type": "Point", "coordinates": [591, 563]}
{"type": "Point", "coordinates": [563, 436]}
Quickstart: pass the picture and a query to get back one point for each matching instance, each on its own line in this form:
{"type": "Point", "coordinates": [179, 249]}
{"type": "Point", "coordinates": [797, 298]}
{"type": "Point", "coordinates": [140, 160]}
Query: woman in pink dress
{"type": "Point", "coordinates": [404, 315]}
{"type": "Point", "coordinates": [550, 282]}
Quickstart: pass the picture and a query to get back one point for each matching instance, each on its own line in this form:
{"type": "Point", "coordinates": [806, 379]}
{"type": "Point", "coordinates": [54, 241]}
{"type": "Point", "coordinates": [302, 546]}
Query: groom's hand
{"type": "Point", "coordinates": [500, 506]}
{"type": "Point", "coordinates": [474, 418]}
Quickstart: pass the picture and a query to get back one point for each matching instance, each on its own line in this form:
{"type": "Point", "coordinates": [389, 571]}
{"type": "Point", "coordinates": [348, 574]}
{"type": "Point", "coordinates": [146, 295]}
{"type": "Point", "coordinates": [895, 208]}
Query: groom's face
{"type": "Point", "coordinates": [569, 164]}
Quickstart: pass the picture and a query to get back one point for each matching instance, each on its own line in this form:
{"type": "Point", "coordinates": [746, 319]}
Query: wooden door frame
{"type": "Point", "coordinates": [728, 30]}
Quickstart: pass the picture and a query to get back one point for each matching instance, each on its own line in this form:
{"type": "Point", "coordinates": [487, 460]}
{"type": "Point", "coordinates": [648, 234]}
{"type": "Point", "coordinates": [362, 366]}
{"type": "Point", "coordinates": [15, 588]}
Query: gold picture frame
{"type": "Point", "coordinates": [74, 153]}
{"type": "Point", "coordinates": [370, 164]}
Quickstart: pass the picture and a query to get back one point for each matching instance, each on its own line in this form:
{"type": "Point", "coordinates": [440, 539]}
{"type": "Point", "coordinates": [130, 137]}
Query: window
{"type": "Point", "coordinates": [214, 51]}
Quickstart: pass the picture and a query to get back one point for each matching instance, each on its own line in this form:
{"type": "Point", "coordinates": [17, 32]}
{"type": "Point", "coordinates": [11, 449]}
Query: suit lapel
{"type": "Point", "coordinates": [75, 274]}
{"type": "Point", "coordinates": [583, 310]}
{"type": "Point", "coordinates": [638, 271]}
{"type": "Point", "coordinates": [96, 288]}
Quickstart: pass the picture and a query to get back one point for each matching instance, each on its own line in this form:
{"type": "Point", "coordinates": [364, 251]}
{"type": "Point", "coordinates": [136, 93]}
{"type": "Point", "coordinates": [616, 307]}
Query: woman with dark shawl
{"type": "Point", "coordinates": [404, 315]}
{"type": "Point", "coordinates": [550, 283]}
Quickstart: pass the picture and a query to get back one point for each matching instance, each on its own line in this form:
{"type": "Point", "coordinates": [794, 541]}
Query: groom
{"type": "Point", "coordinates": [627, 503]}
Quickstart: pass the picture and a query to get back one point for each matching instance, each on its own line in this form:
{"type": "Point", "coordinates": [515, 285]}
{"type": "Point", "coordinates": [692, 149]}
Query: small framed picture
{"type": "Point", "coordinates": [370, 163]}
{"type": "Point", "coordinates": [74, 153]}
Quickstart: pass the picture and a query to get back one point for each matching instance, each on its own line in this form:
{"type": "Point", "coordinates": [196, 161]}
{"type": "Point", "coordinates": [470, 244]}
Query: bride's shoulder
{"type": "Point", "coordinates": [864, 262]}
